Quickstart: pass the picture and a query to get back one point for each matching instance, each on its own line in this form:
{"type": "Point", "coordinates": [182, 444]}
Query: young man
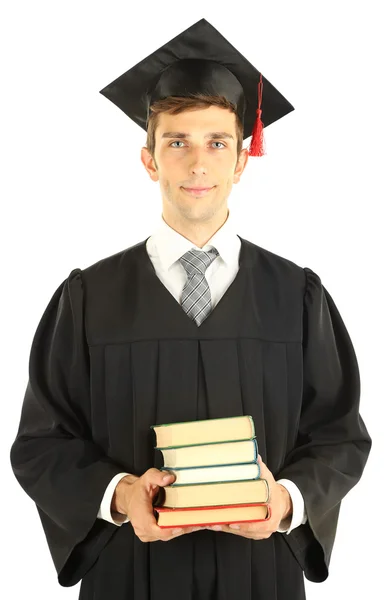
{"type": "Point", "coordinates": [192, 323]}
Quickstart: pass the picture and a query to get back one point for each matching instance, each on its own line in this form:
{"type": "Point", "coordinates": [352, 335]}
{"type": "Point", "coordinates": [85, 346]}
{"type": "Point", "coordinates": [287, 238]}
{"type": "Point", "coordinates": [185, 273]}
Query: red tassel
{"type": "Point", "coordinates": [257, 141]}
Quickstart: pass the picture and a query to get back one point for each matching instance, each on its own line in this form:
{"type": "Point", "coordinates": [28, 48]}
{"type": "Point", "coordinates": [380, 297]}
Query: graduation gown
{"type": "Point", "coordinates": [114, 353]}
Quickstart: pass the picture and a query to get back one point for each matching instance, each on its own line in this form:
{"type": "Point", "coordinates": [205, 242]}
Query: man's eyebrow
{"type": "Point", "coordinates": [215, 135]}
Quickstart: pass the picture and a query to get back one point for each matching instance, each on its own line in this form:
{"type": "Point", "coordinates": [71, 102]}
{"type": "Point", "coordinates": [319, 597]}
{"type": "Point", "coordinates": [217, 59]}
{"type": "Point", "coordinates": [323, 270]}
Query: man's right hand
{"type": "Point", "coordinates": [134, 496]}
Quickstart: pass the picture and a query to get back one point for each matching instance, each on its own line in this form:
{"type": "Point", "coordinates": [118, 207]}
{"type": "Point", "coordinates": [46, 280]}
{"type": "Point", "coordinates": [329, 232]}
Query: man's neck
{"type": "Point", "coordinates": [197, 233]}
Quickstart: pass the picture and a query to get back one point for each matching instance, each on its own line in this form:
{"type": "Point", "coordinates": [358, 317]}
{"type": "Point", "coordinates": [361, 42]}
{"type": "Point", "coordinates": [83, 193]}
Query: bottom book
{"type": "Point", "coordinates": [214, 515]}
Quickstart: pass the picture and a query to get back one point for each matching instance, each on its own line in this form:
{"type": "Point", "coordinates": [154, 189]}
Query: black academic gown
{"type": "Point", "coordinates": [114, 353]}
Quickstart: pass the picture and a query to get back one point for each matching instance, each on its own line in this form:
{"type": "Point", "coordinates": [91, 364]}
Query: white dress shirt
{"type": "Point", "coordinates": [165, 247]}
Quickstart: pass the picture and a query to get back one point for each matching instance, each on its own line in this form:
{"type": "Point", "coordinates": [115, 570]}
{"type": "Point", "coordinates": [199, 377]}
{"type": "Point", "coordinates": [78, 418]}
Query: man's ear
{"type": "Point", "coordinates": [241, 164]}
{"type": "Point", "coordinates": [149, 163]}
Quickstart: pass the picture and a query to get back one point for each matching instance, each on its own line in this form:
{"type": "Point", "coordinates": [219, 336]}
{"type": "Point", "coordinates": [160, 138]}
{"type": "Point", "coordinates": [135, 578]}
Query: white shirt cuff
{"type": "Point", "coordinates": [104, 510]}
{"type": "Point", "coordinates": [299, 516]}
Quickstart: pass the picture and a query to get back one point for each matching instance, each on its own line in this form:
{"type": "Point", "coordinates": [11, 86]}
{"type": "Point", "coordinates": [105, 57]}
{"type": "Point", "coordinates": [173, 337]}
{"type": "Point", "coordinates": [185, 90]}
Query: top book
{"type": "Point", "coordinates": [191, 433]}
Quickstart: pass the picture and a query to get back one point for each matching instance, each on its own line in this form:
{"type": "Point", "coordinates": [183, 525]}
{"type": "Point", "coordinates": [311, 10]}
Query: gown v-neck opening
{"type": "Point", "coordinates": [168, 302]}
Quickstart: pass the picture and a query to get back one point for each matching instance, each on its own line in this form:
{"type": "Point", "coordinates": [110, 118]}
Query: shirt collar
{"type": "Point", "coordinates": [171, 245]}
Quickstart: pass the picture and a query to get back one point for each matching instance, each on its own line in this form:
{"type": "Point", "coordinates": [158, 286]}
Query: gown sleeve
{"type": "Point", "coordinates": [53, 456]}
{"type": "Point", "coordinates": [333, 443]}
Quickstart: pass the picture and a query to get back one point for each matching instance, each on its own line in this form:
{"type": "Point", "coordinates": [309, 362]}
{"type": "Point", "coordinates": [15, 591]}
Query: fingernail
{"type": "Point", "coordinates": [216, 528]}
{"type": "Point", "coordinates": [177, 530]}
{"type": "Point", "coordinates": [234, 526]}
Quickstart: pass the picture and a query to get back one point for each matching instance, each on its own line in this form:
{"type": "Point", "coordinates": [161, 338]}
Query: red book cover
{"type": "Point", "coordinates": [160, 509]}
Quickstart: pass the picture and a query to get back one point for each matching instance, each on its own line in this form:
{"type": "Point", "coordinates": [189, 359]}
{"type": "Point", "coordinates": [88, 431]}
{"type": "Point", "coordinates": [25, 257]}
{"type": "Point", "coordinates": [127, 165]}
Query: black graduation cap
{"type": "Point", "coordinates": [200, 60]}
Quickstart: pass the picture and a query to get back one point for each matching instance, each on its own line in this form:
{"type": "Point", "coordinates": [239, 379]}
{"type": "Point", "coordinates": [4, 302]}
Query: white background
{"type": "Point", "coordinates": [73, 190]}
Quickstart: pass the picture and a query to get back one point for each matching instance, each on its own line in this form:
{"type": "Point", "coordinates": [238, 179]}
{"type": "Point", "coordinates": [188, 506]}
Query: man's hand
{"type": "Point", "coordinates": [281, 510]}
{"type": "Point", "coordinates": [133, 497]}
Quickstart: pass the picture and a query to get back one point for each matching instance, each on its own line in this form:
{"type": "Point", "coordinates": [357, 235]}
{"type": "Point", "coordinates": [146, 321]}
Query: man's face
{"type": "Point", "coordinates": [195, 149]}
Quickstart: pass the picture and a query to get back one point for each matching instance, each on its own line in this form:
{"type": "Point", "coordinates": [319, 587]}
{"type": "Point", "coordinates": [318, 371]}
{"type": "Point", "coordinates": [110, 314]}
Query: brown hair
{"type": "Point", "coordinates": [177, 104]}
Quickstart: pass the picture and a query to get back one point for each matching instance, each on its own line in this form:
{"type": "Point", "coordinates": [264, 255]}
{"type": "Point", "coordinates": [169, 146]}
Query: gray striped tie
{"type": "Point", "coordinates": [196, 295]}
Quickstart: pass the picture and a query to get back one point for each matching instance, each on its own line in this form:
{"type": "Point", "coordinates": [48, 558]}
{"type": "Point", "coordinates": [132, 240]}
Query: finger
{"type": "Point", "coordinates": [168, 533]}
{"type": "Point", "coordinates": [263, 470]}
{"type": "Point", "coordinates": [244, 529]}
{"type": "Point", "coordinates": [250, 534]}
{"type": "Point", "coordinates": [215, 527]}
{"type": "Point", "coordinates": [161, 533]}
{"type": "Point", "coordinates": [186, 530]}
{"type": "Point", "coordinates": [155, 477]}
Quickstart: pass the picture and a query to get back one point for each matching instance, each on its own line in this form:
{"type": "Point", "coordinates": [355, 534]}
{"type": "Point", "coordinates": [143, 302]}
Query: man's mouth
{"type": "Point", "coordinates": [201, 191]}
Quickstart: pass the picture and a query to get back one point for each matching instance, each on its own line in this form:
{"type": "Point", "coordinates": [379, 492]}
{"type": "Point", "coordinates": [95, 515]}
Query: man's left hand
{"type": "Point", "coordinates": [281, 511]}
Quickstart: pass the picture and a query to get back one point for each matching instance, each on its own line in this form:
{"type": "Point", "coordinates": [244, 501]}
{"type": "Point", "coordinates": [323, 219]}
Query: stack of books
{"type": "Point", "coordinates": [217, 473]}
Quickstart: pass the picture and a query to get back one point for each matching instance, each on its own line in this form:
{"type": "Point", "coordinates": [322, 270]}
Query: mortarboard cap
{"type": "Point", "coordinates": [200, 60]}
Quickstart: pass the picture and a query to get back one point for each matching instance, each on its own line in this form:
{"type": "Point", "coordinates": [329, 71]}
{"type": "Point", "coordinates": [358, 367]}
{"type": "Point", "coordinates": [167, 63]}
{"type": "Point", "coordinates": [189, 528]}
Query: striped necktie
{"type": "Point", "coordinates": [196, 295]}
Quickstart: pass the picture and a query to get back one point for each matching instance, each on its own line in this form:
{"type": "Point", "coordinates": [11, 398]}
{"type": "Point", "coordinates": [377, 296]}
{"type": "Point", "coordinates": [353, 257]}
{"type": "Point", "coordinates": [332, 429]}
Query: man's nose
{"type": "Point", "coordinates": [198, 162]}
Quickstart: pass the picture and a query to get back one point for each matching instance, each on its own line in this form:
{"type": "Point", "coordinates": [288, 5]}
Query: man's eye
{"type": "Point", "coordinates": [180, 142]}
